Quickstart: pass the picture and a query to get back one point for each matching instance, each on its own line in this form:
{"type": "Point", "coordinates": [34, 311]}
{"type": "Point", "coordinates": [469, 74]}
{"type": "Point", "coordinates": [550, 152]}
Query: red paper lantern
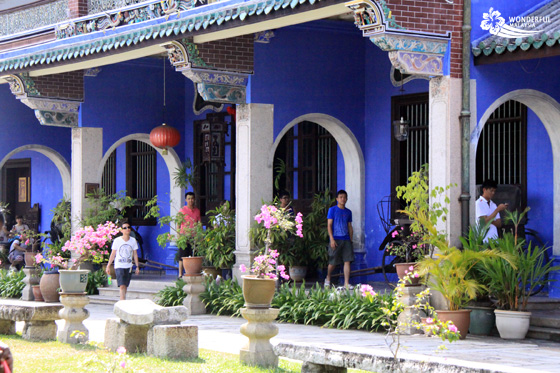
{"type": "Point", "coordinates": [165, 137]}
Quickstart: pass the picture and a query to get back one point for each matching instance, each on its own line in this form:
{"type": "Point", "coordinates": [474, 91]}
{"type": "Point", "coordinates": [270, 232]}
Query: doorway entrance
{"type": "Point", "coordinates": [16, 187]}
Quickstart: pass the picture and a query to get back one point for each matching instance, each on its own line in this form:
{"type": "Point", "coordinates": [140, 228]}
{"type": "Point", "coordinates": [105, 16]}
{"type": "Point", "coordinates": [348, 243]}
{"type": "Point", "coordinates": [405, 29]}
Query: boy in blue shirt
{"type": "Point", "coordinates": [340, 233]}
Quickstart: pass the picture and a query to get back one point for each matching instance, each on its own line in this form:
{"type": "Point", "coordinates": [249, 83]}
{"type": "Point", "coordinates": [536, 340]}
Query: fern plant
{"type": "Point", "coordinates": [172, 295]}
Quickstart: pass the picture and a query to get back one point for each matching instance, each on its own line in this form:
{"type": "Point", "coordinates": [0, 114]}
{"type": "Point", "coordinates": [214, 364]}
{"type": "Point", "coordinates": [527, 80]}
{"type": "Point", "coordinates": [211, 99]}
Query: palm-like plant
{"type": "Point", "coordinates": [449, 269]}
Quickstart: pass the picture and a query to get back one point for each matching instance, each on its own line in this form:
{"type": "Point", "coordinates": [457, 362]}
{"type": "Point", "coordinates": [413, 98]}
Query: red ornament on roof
{"type": "Point", "coordinates": [165, 137]}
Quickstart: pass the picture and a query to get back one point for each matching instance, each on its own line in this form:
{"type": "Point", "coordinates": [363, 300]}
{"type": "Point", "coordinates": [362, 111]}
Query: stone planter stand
{"type": "Point", "coordinates": [193, 288]}
{"type": "Point", "coordinates": [259, 329]}
{"type": "Point", "coordinates": [73, 314]}
{"type": "Point", "coordinates": [410, 314]}
{"type": "Point", "coordinates": [30, 279]}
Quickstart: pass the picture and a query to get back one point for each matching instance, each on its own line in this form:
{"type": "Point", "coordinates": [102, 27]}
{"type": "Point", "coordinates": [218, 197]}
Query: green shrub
{"type": "Point", "coordinates": [11, 283]}
{"type": "Point", "coordinates": [96, 280]}
{"type": "Point", "coordinates": [315, 306]}
{"type": "Point", "coordinates": [223, 299]}
{"type": "Point", "coordinates": [172, 295]}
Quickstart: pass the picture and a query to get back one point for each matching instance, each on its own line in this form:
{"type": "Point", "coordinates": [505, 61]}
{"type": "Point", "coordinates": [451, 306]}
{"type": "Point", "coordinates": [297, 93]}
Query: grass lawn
{"type": "Point", "coordinates": [60, 357]}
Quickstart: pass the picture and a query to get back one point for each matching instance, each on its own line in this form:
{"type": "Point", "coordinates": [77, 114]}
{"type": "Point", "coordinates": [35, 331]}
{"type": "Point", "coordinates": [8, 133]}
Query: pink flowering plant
{"type": "Point", "coordinates": [86, 244]}
{"type": "Point", "coordinates": [407, 244]}
{"type": "Point", "coordinates": [277, 223]}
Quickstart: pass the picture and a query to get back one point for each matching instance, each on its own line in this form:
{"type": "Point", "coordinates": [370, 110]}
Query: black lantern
{"type": "Point", "coordinates": [400, 129]}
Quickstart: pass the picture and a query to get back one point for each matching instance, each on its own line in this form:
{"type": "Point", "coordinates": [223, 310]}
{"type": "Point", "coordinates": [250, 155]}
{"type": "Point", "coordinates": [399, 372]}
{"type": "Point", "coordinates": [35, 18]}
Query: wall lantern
{"type": "Point", "coordinates": [165, 137]}
{"type": "Point", "coordinates": [400, 129]}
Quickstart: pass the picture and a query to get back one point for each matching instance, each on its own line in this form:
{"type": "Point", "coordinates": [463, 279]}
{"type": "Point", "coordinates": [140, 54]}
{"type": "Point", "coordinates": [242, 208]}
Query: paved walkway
{"type": "Point", "coordinates": [489, 354]}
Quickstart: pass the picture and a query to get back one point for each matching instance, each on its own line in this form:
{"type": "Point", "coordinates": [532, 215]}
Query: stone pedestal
{"type": "Point", "coordinates": [73, 313]}
{"type": "Point", "coordinates": [410, 314]}
{"type": "Point", "coordinates": [173, 341]}
{"type": "Point", "coordinates": [30, 279]}
{"type": "Point", "coordinates": [193, 288]}
{"type": "Point", "coordinates": [259, 329]}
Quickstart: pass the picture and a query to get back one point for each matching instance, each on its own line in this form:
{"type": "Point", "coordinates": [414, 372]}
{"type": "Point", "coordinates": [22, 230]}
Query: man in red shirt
{"type": "Point", "coordinates": [192, 216]}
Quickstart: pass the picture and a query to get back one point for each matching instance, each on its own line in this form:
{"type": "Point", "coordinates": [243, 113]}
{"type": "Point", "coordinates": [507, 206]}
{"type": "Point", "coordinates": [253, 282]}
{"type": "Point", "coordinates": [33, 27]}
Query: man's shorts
{"type": "Point", "coordinates": [123, 276]}
{"type": "Point", "coordinates": [185, 252]}
{"type": "Point", "coordinates": [344, 252]}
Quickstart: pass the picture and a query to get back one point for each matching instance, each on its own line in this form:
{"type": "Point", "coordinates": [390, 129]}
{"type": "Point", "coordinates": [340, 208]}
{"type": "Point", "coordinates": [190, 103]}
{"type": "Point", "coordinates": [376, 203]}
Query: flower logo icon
{"type": "Point", "coordinates": [492, 21]}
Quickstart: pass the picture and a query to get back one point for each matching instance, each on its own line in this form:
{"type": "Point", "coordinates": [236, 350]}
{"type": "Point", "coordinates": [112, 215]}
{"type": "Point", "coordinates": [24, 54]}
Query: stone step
{"type": "Point", "coordinates": [100, 299]}
{"type": "Point", "coordinates": [146, 284]}
{"type": "Point", "coordinates": [538, 303]}
{"type": "Point", "coordinates": [131, 293]}
{"type": "Point", "coordinates": [546, 319]}
{"type": "Point", "coordinates": [538, 332]}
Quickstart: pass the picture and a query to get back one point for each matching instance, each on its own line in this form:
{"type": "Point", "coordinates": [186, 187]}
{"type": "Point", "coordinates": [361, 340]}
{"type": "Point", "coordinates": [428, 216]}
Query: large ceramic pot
{"type": "Point", "coordinates": [258, 292]}
{"type": "Point", "coordinates": [37, 293]}
{"type": "Point", "coordinates": [49, 285]}
{"type": "Point", "coordinates": [73, 281]}
{"type": "Point", "coordinates": [461, 319]}
{"type": "Point", "coordinates": [192, 265]}
{"type": "Point", "coordinates": [482, 320]}
{"type": "Point", "coordinates": [512, 324]}
{"type": "Point", "coordinates": [402, 271]}
{"type": "Point", "coordinates": [298, 273]}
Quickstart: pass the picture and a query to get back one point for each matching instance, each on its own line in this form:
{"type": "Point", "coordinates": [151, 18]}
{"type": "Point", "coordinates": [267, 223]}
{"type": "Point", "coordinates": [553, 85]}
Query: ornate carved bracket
{"type": "Point", "coordinates": [412, 52]}
{"type": "Point", "coordinates": [213, 85]}
{"type": "Point", "coordinates": [49, 111]}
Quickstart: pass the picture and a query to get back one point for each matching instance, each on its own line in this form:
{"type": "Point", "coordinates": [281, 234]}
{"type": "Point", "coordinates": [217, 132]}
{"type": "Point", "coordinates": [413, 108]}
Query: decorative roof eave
{"type": "Point", "coordinates": [411, 52]}
{"type": "Point", "coordinates": [545, 33]}
{"type": "Point", "coordinates": [118, 36]}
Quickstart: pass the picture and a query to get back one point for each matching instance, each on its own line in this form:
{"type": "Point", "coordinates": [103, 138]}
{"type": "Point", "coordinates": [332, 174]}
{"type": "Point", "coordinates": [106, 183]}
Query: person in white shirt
{"type": "Point", "coordinates": [123, 250]}
{"type": "Point", "coordinates": [487, 211]}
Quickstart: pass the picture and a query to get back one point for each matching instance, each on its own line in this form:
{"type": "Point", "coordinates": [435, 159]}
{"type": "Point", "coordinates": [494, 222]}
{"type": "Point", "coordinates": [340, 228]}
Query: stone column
{"type": "Point", "coordinates": [259, 329]}
{"type": "Point", "coordinates": [87, 153]}
{"type": "Point", "coordinates": [194, 286]}
{"type": "Point", "coordinates": [73, 314]}
{"type": "Point", "coordinates": [253, 174]}
{"type": "Point", "coordinates": [445, 147]}
{"type": "Point", "coordinates": [30, 279]}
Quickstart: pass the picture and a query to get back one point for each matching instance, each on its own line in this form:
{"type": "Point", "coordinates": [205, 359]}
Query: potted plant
{"type": "Point", "coordinates": [449, 272]}
{"type": "Point", "coordinates": [220, 238]}
{"type": "Point", "coordinates": [258, 288]}
{"type": "Point", "coordinates": [511, 283]}
{"type": "Point", "coordinates": [86, 244]}
{"type": "Point", "coordinates": [181, 236]}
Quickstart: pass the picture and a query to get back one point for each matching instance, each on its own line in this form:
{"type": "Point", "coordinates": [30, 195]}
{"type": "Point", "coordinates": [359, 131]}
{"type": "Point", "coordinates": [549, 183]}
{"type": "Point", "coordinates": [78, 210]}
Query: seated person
{"type": "Point", "coordinates": [284, 198]}
{"type": "Point", "coordinates": [19, 227]}
{"type": "Point", "coordinates": [17, 251]}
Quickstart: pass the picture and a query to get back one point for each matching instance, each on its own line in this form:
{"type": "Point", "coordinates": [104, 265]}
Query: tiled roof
{"type": "Point", "coordinates": [178, 24]}
{"type": "Point", "coordinates": [548, 32]}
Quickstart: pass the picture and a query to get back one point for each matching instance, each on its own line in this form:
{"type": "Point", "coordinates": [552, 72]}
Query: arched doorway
{"type": "Point", "coordinates": [354, 168]}
{"type": "Point", "coordinates": [548, 111]}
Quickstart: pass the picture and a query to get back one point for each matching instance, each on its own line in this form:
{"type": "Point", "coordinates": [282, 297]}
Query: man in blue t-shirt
{"type": "Point", "coordinates": [340, 234]}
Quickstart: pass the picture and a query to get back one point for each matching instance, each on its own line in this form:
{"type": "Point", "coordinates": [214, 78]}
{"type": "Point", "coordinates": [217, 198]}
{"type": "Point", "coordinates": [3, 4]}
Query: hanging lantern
{"type": "Point", "coordinates": [165, 137]}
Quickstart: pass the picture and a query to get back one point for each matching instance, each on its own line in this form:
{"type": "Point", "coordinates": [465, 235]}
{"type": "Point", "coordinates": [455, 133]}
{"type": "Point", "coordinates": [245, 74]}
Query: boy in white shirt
{"type": "Point", "coordinates": [487, 211]}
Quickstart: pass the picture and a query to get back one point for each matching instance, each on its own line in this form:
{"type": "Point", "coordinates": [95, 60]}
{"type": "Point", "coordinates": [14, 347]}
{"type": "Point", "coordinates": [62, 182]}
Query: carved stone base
{"type": "Point", "coordinates": [410, 315]}
{"type": "Point", "coordinates": [259, 329]}
{"type": "Point", "coordinates": [30, 279]}
{"type": "Point", "coordinates": [173, 341]}
{"type": "Point", "coordinates": [73, 313]}
{"type": "Point", "coordinates": [119, 333]}
{"type": "Point", "coordinates": [193, 288]}
{"type": "Point", "coordinates": [39, 330]}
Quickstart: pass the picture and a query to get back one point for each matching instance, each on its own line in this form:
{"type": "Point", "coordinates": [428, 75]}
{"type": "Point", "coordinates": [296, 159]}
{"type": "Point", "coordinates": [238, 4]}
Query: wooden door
{"type": "Point", "coordinates": [16, 187]}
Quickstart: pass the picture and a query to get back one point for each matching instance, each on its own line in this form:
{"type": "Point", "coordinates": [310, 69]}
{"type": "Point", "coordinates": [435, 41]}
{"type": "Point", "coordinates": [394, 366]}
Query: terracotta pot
{"type": "Point", "coordinates": [512, 324]}
{"type": "Point", "coordinates": [258, 292]}
{"type": "Point", "coordinates": [402, 269]}
{"type": "Point", "coordinates": [29, 258]}
{"type": "Point", "coordinates": [192, 265]}
{"type": "Point", "coordinates": [49, 287]}
{"type": "Point", "coordinates": [298, 273]}
{"type": "Point", "coordinates": [37, 293]}
{"type": "Point", "coordinates": [461, 319]}
{"type": "Point", "coordinates": [73, 281]}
